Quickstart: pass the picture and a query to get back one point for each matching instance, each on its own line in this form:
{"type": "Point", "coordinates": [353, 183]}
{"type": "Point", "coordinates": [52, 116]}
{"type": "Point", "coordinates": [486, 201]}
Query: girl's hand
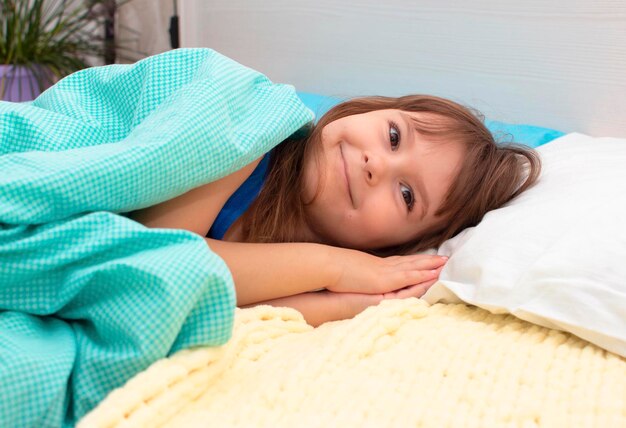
{"type": "Point", "coordinates": [390, 277]}
{"type": "Point", "coordinates": [355, 303]}
{"type": "Point", "coordinates": [323, 306]}
{"type": "Point", "coordinates": [417, 290]}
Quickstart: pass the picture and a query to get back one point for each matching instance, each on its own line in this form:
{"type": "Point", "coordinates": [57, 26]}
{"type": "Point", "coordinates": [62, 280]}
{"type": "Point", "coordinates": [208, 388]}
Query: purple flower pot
{"type": "Point", "coordinates": [19, 83]}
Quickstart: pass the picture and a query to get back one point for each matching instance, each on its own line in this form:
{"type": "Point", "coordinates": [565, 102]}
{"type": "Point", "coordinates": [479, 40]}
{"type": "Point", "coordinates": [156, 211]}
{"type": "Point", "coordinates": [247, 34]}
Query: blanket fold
{"type": "Point", "coordinates": [89, 297]}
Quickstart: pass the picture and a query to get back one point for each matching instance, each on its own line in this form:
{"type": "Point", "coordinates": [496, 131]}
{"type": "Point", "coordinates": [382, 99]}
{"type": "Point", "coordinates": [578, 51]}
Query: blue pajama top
{"type": "Point", "coordinates": [239, 201]}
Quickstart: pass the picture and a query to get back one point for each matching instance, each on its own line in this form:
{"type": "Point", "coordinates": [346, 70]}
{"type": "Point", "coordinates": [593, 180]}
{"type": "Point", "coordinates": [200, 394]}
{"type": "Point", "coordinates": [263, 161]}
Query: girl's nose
{"type": "Point", "coordinates": [374, 167]}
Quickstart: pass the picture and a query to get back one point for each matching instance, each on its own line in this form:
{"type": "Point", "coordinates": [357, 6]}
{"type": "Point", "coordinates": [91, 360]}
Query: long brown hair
{"type": "Point", "coordinates": [491, 173]}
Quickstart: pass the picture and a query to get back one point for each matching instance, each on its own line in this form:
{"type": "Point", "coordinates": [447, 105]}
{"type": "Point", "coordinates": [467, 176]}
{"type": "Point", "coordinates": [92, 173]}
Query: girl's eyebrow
{"type": "Point", "coordinates": [419, 183]}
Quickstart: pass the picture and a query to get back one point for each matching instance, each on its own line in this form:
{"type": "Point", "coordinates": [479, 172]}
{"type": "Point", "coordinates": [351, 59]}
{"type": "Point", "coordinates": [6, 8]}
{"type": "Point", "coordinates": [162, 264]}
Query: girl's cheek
{"type": "Point", "coordinates": [378, 222]}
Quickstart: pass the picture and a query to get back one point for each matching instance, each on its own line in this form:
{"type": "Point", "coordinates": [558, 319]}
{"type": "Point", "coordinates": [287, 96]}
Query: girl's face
{"type": "Point", "coordinates": [380, 182]}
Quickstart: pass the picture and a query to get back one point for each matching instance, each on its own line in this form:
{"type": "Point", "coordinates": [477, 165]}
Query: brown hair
{"type": "Point", "coordinates": [491, 174]}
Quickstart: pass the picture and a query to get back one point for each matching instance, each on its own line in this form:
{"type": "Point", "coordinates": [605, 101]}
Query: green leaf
{"type": "Point", "coordinates": [58, 34]}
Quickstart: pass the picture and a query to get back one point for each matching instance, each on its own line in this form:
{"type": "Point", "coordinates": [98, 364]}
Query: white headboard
{"type": "Point", "coordinates": [559, 64]}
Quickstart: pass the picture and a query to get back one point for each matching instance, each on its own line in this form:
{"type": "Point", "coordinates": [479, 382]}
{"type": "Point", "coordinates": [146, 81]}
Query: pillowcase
{"type": "Point", "coordinates": [533, 136]}
{"type": "Point", "coordinates": [555, 255]}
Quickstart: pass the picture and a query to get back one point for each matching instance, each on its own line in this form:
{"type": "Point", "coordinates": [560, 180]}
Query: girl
{"type": "Point", "coordinates": [375, 177]}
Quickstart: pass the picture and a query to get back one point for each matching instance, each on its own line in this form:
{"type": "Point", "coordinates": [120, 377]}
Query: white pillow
{"type": "Point", "coordinates": [556, 255]}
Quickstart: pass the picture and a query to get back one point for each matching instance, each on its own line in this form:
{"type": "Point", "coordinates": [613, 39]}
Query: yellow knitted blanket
{"type": "Point", "coordinates": [399, 364]}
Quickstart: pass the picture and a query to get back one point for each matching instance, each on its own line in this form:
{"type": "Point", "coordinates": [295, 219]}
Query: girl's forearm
{"type": "Point", "coordinates": [264, 272]}
{"type": "Point", "coordinates": [324, 306]}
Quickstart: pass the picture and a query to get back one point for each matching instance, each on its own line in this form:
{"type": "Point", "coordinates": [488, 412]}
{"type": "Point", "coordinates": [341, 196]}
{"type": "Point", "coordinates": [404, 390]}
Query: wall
{"type": "Point", "coordinates": [142, 28]}
{"type": "Point", "coordinates": [560, 64]}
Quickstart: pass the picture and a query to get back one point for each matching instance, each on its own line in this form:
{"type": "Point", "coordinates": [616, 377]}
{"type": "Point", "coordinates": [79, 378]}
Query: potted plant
{"type": "Point", "coordinates": [44, 40]}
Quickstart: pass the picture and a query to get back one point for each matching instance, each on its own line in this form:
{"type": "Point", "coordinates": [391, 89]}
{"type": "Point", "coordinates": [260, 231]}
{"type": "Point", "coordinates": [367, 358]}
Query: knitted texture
{"type": "Point", "coordinates": [399, 364]}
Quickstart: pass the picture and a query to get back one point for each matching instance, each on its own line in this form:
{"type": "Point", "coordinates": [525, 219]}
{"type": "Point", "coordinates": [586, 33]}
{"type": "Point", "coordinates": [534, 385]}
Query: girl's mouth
{"type": "Point", "coordinates": [346, 175]}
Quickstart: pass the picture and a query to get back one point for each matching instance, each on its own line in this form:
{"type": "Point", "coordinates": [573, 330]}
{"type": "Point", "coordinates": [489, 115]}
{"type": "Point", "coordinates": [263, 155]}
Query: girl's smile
{"type": "Point", "coordinates": [373, 181]}
{"type": "Point", "coordinates": [344, 166]}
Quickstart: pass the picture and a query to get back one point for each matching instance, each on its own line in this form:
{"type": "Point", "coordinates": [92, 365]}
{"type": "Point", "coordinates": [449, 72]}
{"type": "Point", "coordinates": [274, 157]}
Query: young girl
{"type": "Point", "coordinates": [375, 177]}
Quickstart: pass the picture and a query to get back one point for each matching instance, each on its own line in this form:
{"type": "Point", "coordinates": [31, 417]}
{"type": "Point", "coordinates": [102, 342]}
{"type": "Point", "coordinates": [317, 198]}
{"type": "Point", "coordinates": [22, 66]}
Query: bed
{"type": "Point", "coordinates": [527, 325]}
{"type": "Point", "coordinates": [403, 363]}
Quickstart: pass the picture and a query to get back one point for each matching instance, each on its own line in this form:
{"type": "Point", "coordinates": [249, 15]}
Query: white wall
{"type": "Point", "coordinates": [560, 64]}
{"type": "Point", "coordinates": [142, 28]}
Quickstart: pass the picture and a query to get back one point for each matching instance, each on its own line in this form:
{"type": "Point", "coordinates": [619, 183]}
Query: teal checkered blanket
{"type": "Point", "coordinates": [89, 297]}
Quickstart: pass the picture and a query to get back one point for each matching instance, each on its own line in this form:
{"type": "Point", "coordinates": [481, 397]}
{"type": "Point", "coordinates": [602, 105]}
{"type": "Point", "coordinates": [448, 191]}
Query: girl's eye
{"type": "Point", "coordinates": [407, 195]}
{"type": "Point", "coordinates": [394, 136]}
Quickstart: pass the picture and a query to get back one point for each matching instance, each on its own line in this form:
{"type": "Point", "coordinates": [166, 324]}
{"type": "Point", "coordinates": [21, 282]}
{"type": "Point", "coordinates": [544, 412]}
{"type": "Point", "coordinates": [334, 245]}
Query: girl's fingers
{"type": "Point", "coordinates": [417, 276]}
{"type": "Point", "coordinates": [422, 262]}
{"type": "Point", "coordinates": [407, 276]}
{"type": "Point", "coordinates": [414, 257]}
{"type": "Point", "coordinates": [389, 274]}
{"type": "Point", "coordinates": [417, 290]}
{"type": "Point", "coordinates": [431, 263]}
